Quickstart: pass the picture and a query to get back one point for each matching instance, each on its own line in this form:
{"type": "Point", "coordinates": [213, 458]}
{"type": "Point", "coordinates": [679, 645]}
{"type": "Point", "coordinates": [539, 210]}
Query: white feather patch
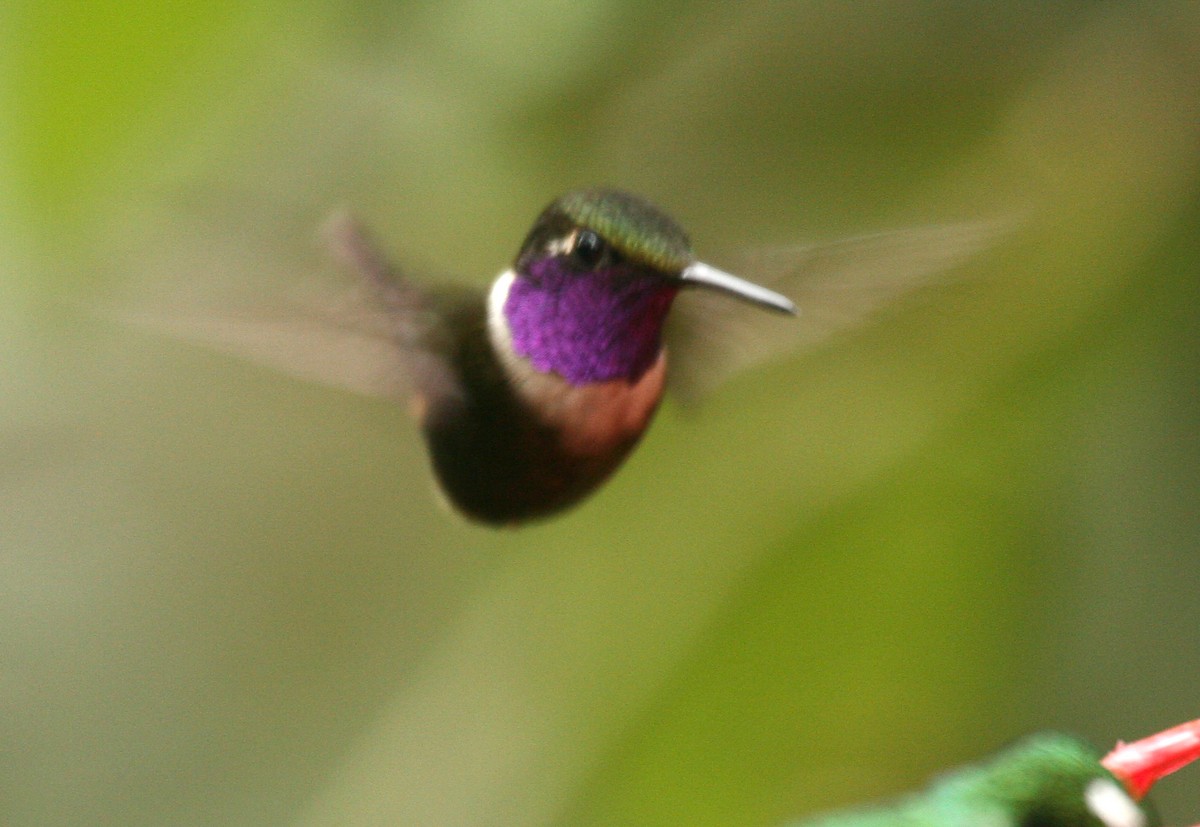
{"type": "Point", "coordinates": [1112, 805]}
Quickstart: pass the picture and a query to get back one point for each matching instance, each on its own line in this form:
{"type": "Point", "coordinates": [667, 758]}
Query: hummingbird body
{"type": "Point", "coordinates": [509, 442]}
{"type": "Point", "coordinates": [531, 397]}
{"type": "Point", "coordinates": [1048, 780]}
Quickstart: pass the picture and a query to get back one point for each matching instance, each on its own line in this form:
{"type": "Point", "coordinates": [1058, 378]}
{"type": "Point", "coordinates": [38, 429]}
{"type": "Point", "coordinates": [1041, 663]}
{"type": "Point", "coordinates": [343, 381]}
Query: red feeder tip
{"type": "Point", "coordinates": [1140, 764]}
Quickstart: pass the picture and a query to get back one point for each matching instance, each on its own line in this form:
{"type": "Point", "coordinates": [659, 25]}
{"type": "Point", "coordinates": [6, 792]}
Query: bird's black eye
{"type": "Point", "coordinates": [589, 249]}
{"type": "Point", "coordinates": [1038, 817]}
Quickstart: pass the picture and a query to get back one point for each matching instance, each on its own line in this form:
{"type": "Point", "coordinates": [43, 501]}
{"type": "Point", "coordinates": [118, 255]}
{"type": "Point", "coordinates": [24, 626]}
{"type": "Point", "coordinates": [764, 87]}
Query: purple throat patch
{"type": "Point", "coordinates": [588, 327]}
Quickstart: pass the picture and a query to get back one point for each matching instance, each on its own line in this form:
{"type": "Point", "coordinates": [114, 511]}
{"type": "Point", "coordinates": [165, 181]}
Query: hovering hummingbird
{"type": "Point", "coordinates": [1049, 780]}
{"type": "Point", "coordinates": [532, 394]}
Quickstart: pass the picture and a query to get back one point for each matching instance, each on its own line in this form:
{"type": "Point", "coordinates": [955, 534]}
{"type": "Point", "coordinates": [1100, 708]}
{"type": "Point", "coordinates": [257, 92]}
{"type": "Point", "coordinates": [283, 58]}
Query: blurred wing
{"type": "Point", "coordinates": [837, 287]}
{"type": "Point", "coordinates": [369, 340]}
{"type": "Point", "coordinates": [312, 343]}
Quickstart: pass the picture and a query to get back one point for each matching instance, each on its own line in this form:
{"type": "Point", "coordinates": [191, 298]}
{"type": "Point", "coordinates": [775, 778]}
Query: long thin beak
{"type": "Point", "coordinates": [702, 275]}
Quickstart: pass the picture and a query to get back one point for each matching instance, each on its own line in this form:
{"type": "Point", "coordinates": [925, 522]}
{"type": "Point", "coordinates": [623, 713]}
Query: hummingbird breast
{"type": "Point", "coordinates": [592, 418]}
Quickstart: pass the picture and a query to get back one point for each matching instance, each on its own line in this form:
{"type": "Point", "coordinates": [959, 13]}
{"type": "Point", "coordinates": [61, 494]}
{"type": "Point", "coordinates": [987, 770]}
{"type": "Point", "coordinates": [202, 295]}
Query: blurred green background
{"type": "Point", "coordinates": [229, 598]}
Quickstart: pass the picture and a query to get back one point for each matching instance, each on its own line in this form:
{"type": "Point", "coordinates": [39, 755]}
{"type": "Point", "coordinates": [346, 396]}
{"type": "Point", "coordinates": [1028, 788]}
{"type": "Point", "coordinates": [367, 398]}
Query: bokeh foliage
{"type": "Point", "coordinates": [228, 598]}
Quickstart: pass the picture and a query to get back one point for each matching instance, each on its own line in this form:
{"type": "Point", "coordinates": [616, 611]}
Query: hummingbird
{"type": "Point", "coordinates": [532, 393]}
{"type": "Point", "coordinates": [1048, 780]}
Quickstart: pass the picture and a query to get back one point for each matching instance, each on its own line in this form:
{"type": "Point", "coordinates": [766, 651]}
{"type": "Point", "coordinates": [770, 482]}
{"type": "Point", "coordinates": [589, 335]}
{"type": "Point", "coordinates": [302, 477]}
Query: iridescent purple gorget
{"type": "Point", "coordinates": [592, 326]}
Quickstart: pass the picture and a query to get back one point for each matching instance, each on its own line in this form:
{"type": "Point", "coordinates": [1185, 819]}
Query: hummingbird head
{"type": "Point", "coordinates": [590, 289]}
{"type": "Point", "coordinates": [1050, 780]}
{"type": "Point", "coordinates": [1053, 780]}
